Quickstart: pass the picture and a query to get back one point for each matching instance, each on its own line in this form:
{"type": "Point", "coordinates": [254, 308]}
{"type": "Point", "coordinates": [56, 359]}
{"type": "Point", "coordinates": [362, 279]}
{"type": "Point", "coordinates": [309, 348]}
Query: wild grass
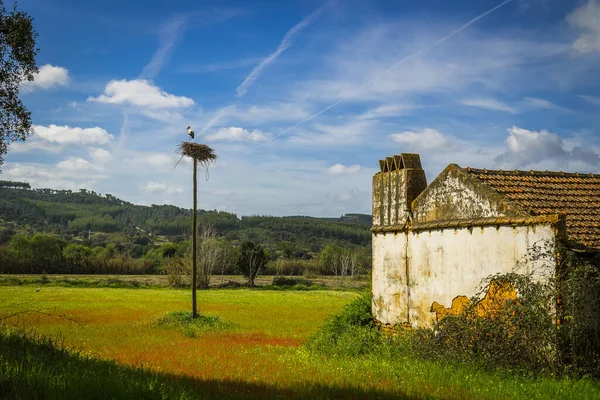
{"type": "Point", "coordinates": [101, 281]}
{"type": "Point", "coordinates": [192, 327]}
{"type": "Point", "coordinates": [162, 281]}
{"type": "Point", "coordinates": [262, 357]}
{"type": "Point", "coordinates": [349, 340]}
{"type": "Point", "coordinates": [36, 367]}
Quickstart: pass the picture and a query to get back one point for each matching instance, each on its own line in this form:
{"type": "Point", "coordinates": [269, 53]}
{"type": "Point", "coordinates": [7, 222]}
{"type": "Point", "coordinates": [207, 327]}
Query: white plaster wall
{"type": "Point", "coordinates": [447, 263]}
{"type": "Point", "coordinates": [389, 277]}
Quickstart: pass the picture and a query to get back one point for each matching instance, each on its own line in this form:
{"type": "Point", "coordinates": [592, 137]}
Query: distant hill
{"type": "Point", "coordinates": [82, 214]}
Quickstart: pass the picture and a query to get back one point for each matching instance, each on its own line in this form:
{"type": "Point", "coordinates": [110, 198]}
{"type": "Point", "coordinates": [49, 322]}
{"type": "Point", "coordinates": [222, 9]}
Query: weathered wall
{"type": "Point", "coordinates": [393, 193]}
{"type": "Point", "coordinates": [400, 181]}
{"type": "Point", "coordinates": [455, 194]}
{"type": "Point", "coordinates": [389, 205]}
{"type": "Point", "coordinates": [413, 270]}
{"type": "Point", "coordinates": [447, 263]}
{"type": "Point", "coordinates": [389, 277]}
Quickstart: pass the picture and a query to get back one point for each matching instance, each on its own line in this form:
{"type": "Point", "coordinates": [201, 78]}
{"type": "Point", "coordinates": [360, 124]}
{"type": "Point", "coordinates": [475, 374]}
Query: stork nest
{"type": "Point", "coordinates": [200, 152]}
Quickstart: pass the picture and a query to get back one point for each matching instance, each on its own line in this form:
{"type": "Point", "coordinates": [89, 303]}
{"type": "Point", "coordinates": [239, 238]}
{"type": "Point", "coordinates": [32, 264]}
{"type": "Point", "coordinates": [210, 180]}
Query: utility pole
{"type": "Point", "coordinates": [194, 238]}
{"type": "Point", "coordinates": [203, 155]}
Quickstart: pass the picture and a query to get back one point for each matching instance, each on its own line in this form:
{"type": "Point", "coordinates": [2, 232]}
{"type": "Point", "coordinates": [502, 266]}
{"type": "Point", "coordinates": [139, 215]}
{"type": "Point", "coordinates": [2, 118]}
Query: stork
{"type": "Point", "coordinates": [190, 132]}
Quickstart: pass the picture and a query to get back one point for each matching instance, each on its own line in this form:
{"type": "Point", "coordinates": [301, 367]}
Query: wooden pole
{"type": "Point", "coordinates": [194, 234]}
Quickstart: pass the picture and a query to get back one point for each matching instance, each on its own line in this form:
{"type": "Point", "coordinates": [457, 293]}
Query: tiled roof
{"type": "Point", "coordinates": [543, 192]}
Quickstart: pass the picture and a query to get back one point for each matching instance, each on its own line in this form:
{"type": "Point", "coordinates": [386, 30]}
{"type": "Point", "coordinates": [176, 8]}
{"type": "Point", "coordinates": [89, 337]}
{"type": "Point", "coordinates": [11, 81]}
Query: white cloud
{"type": "Point", "coordinates": [141, 93]}
{"type": "Point", "coordinates": [344, 134]}
{"type": "Point", "coordinates": [100, 156]}
{"type": "Point", "coordinates": [47, 76]}
{"type": "Point", "coordinates": [72, 135]}
{"type": "Point", "coordinates": [387, 111]}
{"type": "Point", "coordinates": [42, 175]}
{"type": "Point", "coordinates": [237, 134]}
{"type": "Point", "coordinates": [222, 192]}
{"type": "Point", "coordinates": [156, 161]}
{"type": "Point", "coordinates": [543, 104]}
{"type": "Point", "coordinates": [586, 19]}
{"type": "Point", "coordinates": [338, 169]}
{"type": "Point", "coordinates": [270, 113]}
{"type": "Point", "coordinates": [361, 69]}
{"type": "Point", "coordinates": [32, 144]}
{"type": "Point", "coordinates": [425, 139]}
{"type": "Point", "coordinates": [353, 194]}
{"type": "Point", "coordinates": [256, 114]}
{"type": "Point", "coordinates": [76, 164]}
{"type": "Point", "coordinates": [158, 187]}
{"type": "Point", "coordinates": [592, 99]}
{"type": "Point", "coordinates": [488, 104]}
{"type": "Point", "coordinates": [543, 148]}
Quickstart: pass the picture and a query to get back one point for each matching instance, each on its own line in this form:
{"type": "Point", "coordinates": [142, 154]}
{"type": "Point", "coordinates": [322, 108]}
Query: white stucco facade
{"type": "Point", "coordinates": [413, 269]}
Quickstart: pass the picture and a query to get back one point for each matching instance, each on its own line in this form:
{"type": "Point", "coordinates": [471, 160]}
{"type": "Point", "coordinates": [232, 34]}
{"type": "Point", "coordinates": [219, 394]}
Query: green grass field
{"type": "Point", "coordinates": [115, 338]}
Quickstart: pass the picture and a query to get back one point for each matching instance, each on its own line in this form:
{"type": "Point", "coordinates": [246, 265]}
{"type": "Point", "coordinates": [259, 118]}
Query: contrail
{"type": "Point", "coordinates": [214, 119]}
{"type": "Point", "coordinates": [123, 130]}
{"type": "Point", "coordinates": [285, 43]}
{"type": "Point", "coordinates": [399, 62]}
{"type": "Point", "coordinates": [167, 39]}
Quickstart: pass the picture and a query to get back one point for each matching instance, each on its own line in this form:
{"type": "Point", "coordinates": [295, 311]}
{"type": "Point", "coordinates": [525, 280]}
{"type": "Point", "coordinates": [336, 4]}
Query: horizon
{"type": "Point", "coordinates": [104, 195]}
{"type": "Point", "coordinates": [300, 100]}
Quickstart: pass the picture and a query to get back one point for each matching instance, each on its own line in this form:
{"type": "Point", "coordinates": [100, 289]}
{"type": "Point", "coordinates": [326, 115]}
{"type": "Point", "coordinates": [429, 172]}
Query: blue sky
{"type": "Point", "coordinates": [300, 99]}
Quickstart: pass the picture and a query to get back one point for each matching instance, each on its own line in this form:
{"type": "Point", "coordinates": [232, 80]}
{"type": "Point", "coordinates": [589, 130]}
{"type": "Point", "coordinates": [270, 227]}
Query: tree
{"type": "Point", "coordinates": [211, 254]}
{"type": "Point", "coordinates": [251, 260]}
{"type": "Point", "coordinates": [79, 256]}
{"type": "Point", "coordinates": [331, 259]}
{"type": "Point", "coordinates": [40, 253]}
{"type": "Point", "coordinates": [17, 63]}
{"type": "Point", "coordinates": [287, 248]}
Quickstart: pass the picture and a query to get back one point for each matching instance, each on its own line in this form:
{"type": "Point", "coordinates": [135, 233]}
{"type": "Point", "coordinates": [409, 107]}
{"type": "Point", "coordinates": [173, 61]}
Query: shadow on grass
{"type": "Point", "coordinates": [34, 367]}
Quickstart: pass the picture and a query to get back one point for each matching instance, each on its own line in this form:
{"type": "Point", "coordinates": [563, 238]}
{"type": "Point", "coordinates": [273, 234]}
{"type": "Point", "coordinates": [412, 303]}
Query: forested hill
{"type": "Point", "coordinates": [76, 214]}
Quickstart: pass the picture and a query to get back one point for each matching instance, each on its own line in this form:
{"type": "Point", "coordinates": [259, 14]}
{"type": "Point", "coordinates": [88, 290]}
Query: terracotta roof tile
{"type": "Point", "coordinates": [575, 195]}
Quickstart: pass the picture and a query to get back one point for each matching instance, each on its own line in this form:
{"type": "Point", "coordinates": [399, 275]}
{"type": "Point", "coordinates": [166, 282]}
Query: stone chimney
{"type": "Point", "coordinates": [399, 182]}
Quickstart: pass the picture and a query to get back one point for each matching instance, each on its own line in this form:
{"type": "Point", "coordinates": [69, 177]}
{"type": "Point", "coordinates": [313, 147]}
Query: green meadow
{"type": "Point", "coordinates": [64, 342]}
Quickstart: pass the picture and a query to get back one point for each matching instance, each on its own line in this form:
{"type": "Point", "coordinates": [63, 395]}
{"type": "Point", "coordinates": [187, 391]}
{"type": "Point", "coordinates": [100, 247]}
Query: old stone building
{"type": "Point", "coordinates": [433, 243]}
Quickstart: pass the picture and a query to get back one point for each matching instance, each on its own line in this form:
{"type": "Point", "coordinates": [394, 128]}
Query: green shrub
{"type": "Point", "coordinates": [350, 333]}
{"type": "Point", "coordinates": [519, 334]}
{"type": "Point", "coordinates": [293, 283]}
{"type": "Point", "coordinates": [290, 281]}
{"type": "Point", "coordinates": [579, 335]}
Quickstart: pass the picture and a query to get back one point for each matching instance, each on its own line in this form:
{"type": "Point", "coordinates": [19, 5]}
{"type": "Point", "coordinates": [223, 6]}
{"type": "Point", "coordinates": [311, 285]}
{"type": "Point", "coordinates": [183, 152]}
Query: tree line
{"type": "Point", "coordinates": [84, 215]}
{"type": "Point", "coordinates": [50, 254]}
